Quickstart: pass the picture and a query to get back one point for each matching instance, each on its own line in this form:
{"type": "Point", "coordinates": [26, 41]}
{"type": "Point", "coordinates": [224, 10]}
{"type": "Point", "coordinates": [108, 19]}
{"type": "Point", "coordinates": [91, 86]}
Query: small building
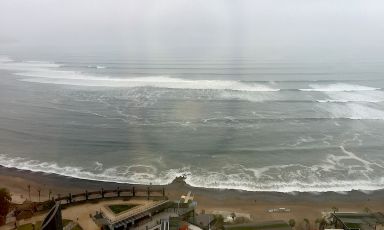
{"type": "Point", "coordinates": [204, 220]}
{"type": "Point", "coordinates": [358, 221]}
{"type": "Point", "coordinates": [176, 223]}
{"type": "Point", "coordinates": [149, 215]}
{"type": "Point", "coordinates": [130, 218]}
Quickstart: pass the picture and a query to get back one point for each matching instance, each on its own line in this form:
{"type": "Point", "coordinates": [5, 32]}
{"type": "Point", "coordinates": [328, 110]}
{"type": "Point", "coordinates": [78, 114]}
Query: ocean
{"type": "Point", "coordinates": [230, 123]}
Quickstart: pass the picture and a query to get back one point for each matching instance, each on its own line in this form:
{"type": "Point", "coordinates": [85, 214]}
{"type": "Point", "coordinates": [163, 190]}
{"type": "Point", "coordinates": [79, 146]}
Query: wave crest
{"type": "Point", "coordinates": [45, 72]}
{"type": "Point", "coordinates": [338, 87]}
{"type": "Point", "coordinates": [276, 178]}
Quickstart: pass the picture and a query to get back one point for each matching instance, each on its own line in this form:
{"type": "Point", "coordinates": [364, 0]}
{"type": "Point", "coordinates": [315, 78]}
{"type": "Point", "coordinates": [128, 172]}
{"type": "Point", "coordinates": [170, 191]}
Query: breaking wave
{"type": "Point", "coordinates": [133, 174]}
{"type": "Point", "coordinates": [156, 82]}
{"type": "Point", "coordinates": [44, 72]}
{"type": "Point", "coordinates": [347, 101]}
{"type": "Point", "coordinates": [97, 66]}
{"type": "Point", "coordinates": [339, 87]}
{"type": "Point", "coordinates": [327, 176]}
{"type": "Point", "coordinates": [354, 112]}
{"type": "Point", "coordinates": [51, 73]}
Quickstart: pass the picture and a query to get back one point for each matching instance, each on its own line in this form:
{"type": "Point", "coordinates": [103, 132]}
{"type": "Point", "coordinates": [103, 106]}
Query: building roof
{"type": "Point", "coordinates": [363, 221]}
{"type": "Point", "coordinates": [204, 219]}
{"type": "Point", "coordinates": [133, 213]}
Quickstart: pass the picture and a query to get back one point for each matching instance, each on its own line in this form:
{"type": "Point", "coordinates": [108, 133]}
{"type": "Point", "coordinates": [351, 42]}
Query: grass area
{"type": "Point", "coordinates": [353, 225]}
{"type": "Point", "coordinates": [38, 225]}
{"type": "Point", "coordinates": [257, 227]}
{"type": "Point", "coordinates": [77, 227]}
{"type": "Point", "coordinates": [118, 208]}
{"type": "Point", "coordinates": [29, 227]}
{"type": "Point", "coordinates": [65, 222]}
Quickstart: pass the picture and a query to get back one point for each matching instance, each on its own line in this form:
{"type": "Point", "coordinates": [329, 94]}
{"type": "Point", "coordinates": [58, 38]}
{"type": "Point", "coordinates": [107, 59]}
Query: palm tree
{"type": "Point", "coordinates": [233, 216]}
{"type": "Point", "coordinates": [335, 209]}
{"type": "Point", "coordinates": [292, 223]}
{"type": "Point", "coordinates": [307, 224]}
{"type": "Point", "coordinates": [29, 192]}
{"type": "Point", "coordinates": [39, 191]}
{"type": "Point", "coordinates": [5, 203]}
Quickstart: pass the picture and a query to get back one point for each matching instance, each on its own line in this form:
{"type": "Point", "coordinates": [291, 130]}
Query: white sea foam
{"type": "Point", "coordinates": [33, 66]}
{"type": "Point", "coordinates": [291, 178]}
{"type": "Point", "coordinates": [354, 111]}
{"type": "Point", "coordinates": [352, 101]}
{"type": "Point", "coordinates": [248, 96]}
{"type": "Point", "coordinates": [143, 174]}
{"type": "Point", "coordinates": [156, 82]}
{"type": "Point", "coordinates": [45, 72]}
{"type": "Point", "coordinates": [349, 100]}
{"type": "Point", "coordinates": [97, 66]}
{"type": "Point", "coordinates": [356, 96]}
{"type": "Point", "coordinates": [98, 166]}
{"type": "Point", "coordinates": [339, 87]}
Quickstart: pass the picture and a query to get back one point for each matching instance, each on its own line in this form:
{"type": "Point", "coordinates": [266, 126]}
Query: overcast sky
{"type": "Point", "coordinates": [264, 26]}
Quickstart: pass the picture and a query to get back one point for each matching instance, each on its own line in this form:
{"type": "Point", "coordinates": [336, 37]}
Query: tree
{"type": "Point", "coordinates": [241, 220]}
{"type": "Point", "coordinates": [39, 191]}
{"type": "Point", "coordinates": [218, 222]}
{"type": "Point", "coordinates": [29, 192]}
{"type": "Point", "coordinates": [5, 204]}
{"type": "Point", "coordinates": [233, 216]}
{"type": "Point", "coordinates": [292, 223]}
{"type": "Point", "coordinates": [321, 222]}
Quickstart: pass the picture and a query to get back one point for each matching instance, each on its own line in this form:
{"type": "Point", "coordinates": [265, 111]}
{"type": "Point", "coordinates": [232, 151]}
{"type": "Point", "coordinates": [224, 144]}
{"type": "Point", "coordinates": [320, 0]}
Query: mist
{"type": "Point", "coordinates": [263, 28]}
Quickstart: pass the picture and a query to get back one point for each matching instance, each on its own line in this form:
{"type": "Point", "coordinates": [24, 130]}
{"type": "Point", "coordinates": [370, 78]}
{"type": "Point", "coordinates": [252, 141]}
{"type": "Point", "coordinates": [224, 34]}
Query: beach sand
{"type": "Point", "coordinates": [257, 204]}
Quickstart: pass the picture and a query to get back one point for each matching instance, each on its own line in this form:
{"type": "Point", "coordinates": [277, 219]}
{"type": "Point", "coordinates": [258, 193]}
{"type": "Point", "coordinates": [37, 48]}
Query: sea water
{"type": "Point", "coordinates": [232, 123]}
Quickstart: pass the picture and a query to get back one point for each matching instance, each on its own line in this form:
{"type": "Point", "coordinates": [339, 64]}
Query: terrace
{"type": "Point", "coordinates": [358, 221]}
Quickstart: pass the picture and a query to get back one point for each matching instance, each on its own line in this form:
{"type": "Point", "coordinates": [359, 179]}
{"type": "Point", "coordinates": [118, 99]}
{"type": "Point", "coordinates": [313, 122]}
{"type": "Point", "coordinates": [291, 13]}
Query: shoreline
{"type": "Point", "coordinates": [302, 204]}
{"type": "Point", "coordinates": [52, 177]}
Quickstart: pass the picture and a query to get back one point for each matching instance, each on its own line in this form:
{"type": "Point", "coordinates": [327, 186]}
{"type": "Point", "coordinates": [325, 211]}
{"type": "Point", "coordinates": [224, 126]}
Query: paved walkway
{"type": "Point", "coordinates": [78, 213]}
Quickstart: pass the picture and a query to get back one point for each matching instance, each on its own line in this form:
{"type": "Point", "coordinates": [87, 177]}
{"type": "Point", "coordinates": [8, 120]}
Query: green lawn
{"type": "Point", "coordinates": [29, 227]}
{"type": "Point", "coordinates": [118, 208]}
{"type": "Point", "coordinates": [258, 227]}
{"type": "Point", "coordinates": [38, 224]}
{"type": "Point", "coordinates": [77, 227]}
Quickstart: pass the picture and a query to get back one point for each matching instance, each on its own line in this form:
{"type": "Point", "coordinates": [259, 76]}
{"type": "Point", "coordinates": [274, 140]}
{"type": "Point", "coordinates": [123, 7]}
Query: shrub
{"type": "Point", "coordinates": [5, 204]}
{"type": "Point", "coordinates": [292, 223]}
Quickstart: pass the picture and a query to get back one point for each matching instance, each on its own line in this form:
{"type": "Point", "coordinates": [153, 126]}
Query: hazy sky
{"type": "Point", "coordinates": [244, 26]}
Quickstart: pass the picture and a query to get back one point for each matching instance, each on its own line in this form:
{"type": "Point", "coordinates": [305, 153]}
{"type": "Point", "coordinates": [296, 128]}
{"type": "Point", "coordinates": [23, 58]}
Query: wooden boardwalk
{"type": "Point", "coordinates": [131, 192]}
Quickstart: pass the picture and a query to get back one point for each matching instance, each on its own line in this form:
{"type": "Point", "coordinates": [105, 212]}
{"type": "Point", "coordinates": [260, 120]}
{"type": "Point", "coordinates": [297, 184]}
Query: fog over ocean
{"type": "Point", "coordinates": [224, 122]}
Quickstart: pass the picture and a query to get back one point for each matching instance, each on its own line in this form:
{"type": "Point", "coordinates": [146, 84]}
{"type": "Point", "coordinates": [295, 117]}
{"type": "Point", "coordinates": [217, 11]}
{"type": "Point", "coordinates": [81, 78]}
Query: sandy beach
{"type": "Point", "coordinates": [257, 204]}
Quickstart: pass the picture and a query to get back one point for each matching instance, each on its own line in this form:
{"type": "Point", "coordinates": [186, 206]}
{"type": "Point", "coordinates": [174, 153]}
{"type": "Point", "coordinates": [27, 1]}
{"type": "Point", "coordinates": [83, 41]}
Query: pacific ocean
{"type": "Point", "coordinates": [231, 123]}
